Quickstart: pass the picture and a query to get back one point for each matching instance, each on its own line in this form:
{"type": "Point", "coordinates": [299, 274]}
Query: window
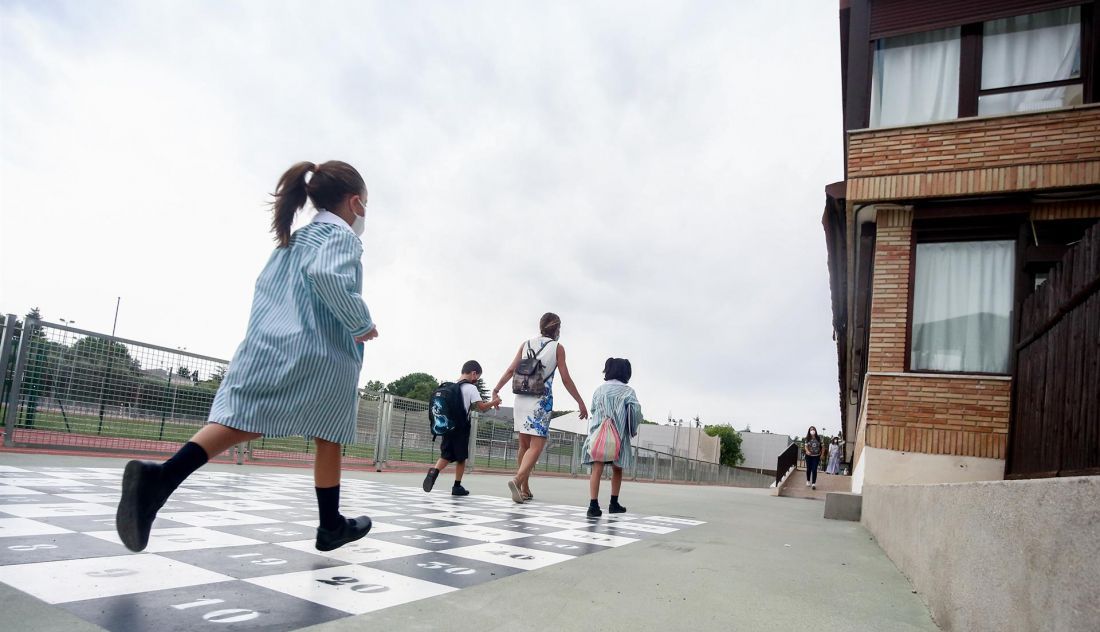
{"type": "Point", "coordinates": [916, 78]}
{"type": "Point", "coordinates": [1031, 62]}
{"type": "Point", "coordinates": [1018, 64]}
{"type": "Point", "coordinates": [962, 306]}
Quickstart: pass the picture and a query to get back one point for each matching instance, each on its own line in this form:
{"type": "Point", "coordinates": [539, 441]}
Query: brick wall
{"type": "Point", "coordinates": [938, 415]}
{"type": "Point", "coordinates": [1066, 210]}
{"type": "Point", "coordinates": [1026, 152]}
{"type": "Point", "coordinates": [890, 290]}
{"type": "Point", "coordinates": [1059, 136]}
{"type": "Point", "coordinates": [920, 413]}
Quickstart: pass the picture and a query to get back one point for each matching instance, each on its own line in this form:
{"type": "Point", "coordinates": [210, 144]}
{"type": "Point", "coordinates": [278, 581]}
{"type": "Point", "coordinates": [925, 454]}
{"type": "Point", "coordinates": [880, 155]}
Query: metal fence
{"type": "Point", "coordinates": [72, 389]}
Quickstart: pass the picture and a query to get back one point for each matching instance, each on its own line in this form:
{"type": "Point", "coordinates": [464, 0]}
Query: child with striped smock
{"type": "Point", "coordinates": [297, 370]}
{"type": "Point", "coordinates": [617, 403]}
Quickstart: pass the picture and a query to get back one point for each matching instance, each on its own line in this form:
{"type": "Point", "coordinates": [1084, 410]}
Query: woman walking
{"type": "Point", "coordinates": [834, 457]}
{"type": "Point", "coordinates": [533, 368]}
{"type": "Point", "coordinates": [297, 370]}
{"type": "Point", "coordinates": [616, 414]}
{"type": "Point", "coordinates": [812, 446]}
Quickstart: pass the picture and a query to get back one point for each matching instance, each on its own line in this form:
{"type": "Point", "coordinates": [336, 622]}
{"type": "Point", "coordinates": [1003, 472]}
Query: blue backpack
{"type": "Point", "coordinates": [446, 412]}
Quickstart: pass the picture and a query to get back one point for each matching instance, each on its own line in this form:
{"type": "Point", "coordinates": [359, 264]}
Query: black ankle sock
{"type": "Point", "coordinates": [458, 483]}
{"type": "Point", "coordinates": [328, 506]}
{"type": "Point", "coordinates": [594, 503]}
{"type": "Point", "coordinates": [176, 469]}
{"type": "Point", "coordinates": [614, 500]}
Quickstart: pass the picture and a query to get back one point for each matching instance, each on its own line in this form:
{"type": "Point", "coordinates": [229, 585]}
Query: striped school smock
{"type": "Point", "coordinates": [297, 370]}
{"type": "Point", "coordinates": [619, 402]}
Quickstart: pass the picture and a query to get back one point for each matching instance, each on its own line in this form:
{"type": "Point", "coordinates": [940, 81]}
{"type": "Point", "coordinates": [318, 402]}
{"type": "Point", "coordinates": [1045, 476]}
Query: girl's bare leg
{"type": "Point", "coordinates": [216, 438]}
{"type": "Point", "coordinates": [594, 481]}
{"type": "Point", "coordinates": [326, 465]}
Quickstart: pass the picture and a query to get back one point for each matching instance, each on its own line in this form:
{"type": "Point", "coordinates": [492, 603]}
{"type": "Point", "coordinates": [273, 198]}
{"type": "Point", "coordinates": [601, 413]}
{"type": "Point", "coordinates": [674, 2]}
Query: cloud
{"type": "Point", "coordinates": [652, 172]}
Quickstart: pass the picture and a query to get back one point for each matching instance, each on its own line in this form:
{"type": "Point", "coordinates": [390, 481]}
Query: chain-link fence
{"type": "Point", "coordinates": [71, 389]}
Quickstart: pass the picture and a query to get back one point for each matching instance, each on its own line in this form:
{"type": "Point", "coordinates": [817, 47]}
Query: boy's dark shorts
{"type": "Point", "coordinates": [456, 445]}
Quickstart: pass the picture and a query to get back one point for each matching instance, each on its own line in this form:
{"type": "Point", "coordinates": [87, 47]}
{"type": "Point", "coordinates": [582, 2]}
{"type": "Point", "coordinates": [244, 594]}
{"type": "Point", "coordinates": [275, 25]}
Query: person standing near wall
{"type": "Point", "coordinates": [812, 446]}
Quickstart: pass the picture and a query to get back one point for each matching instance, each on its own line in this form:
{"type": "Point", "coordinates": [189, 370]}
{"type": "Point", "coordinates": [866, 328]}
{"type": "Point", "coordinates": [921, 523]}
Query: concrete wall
{"type": "Point", "coordinates": [1005, 556]}
{"type": "Point", "coordinates": [877, 466]}
{"type": "Point", "coordinates": [761, 449]}
{"type": "Point", "coordinates": [692, 443]}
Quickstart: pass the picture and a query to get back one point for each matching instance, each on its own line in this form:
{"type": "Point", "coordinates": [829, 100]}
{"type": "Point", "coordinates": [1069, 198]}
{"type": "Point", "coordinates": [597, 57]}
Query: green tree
{"type": "Point", "coordinates": [214, 381]}
{"type": "Point", "coordinates": [731, 444]}
{"type": "Point", "coordinates": [414, 386]}
{"type": "Point", "coordinates": [375, 386]}
{"type": "Point", "coordinates": [36, 332]}
{"type": "Point", "coordinates": [482, 389]}
{"type": "Point", "coordinates": [100, 351]}
{"type": "Point", "coordinates": [183, 371]}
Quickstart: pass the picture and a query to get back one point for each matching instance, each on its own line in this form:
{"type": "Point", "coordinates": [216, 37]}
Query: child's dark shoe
{"type": "Point", "coordinates": [616, 508]}
{"type": "Point", "coordinates": [143, 494]}
{"type": "Point", "coordinates": [429, 480]}
{"type": "Point", "coordinates": [349, 531]}
{"type": "Point", "coordinates": [459, 490]}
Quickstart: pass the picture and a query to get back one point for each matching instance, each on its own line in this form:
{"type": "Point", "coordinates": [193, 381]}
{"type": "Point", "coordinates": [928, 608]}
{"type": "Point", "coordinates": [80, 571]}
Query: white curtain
{"type": "Point", "coordinates": [1031, 49]}
{"type": "Point", "coordinates": [962, 306]}
{"type": "Point", "coordinates": [916, 78]}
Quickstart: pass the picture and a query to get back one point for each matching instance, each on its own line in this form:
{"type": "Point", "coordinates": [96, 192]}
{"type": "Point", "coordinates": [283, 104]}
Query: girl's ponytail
{"type": "Point", "coordinates": [290, 197]}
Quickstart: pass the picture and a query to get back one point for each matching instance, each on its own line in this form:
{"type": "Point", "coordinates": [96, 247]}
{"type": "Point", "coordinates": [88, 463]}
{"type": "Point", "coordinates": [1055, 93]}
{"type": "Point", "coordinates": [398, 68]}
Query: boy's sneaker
{"type": "Point", "coordinates": [351, 530]}
{"type": "Point", "coordinates": [594, 512]}
{"type": "Point", "coordinates": [527, 497]}
{"type": "Point", "coordinates": [459, 490]}
{"type": "Point", "coordinates": [814, 486]}
{"type": "Point", "coordinates": [429, 480]}
{"type": "Point", "coordinates": [143, 494]}
{"type": "Point", "coordinates": [616, 508]}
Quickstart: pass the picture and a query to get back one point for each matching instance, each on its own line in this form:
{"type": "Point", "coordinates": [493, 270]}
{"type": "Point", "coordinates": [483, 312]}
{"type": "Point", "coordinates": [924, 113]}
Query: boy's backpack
{"type": "Point", "coordinates": [446, 412]}
{"type": "Point", "coordinates": [528, 378]}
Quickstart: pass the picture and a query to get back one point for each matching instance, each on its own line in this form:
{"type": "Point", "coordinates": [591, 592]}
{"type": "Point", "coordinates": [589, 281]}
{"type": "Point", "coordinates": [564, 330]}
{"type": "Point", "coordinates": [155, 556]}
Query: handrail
{"type": "Point", "coordinates": [786, 460]}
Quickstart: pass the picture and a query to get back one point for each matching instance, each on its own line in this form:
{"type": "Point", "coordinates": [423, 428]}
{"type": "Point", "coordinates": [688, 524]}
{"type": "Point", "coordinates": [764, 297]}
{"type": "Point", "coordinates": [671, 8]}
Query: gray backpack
{"type": "Point", "coordinates": [528, 378]}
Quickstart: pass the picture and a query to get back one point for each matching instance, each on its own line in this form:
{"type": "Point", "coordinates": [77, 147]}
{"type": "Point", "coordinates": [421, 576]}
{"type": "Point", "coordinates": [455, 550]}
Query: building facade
{"type": "Point", "coordinates": [761, 449]}
{"type": "Point", "coordinates": [972, 163]}
{"type": "Point", "coordinates": [684, 441]}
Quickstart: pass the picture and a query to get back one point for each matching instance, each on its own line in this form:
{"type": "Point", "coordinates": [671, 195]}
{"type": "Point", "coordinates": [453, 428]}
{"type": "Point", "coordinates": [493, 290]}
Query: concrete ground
{"type": "Point", "coordinates": [760, 563]}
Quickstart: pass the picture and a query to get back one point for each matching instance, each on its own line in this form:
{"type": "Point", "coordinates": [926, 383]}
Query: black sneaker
{"type": "Point", "coordinates": [616, 508]}
{"type": "Point", "coordinates": [594, 512]}
{"type": "Point", "coordinates": [429, 480]}
{"type": "Point", "coordinates": [459, 490]}
{"type": "Point", "coordinates": [351, 530]}
{"type": "Point", "coordinates": [143, 494]}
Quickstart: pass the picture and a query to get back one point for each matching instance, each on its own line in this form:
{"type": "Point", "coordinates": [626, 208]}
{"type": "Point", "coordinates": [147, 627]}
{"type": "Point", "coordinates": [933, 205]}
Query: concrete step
{"type": "Point", "coordinates": [795, 487]}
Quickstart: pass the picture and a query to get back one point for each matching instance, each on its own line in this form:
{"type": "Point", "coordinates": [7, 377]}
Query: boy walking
{"type": "Point", "coordinates": [456, 443]}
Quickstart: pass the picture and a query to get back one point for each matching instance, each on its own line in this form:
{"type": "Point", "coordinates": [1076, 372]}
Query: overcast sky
{"type": "Point", "coordinates": [651, 171]}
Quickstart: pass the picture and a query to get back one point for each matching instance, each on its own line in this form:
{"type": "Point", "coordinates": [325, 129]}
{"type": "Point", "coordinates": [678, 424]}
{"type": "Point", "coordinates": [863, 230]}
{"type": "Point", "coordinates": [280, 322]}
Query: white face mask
{"type": "Point", "coordinates": [813, 433]}
{"type": "Point", "coordinates": [360, 223]}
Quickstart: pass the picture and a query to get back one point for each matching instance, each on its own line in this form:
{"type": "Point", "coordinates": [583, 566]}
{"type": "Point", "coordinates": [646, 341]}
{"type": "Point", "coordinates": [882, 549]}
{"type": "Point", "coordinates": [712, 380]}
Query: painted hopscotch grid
{"type": "Point", "coordinates": [238, 548]}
